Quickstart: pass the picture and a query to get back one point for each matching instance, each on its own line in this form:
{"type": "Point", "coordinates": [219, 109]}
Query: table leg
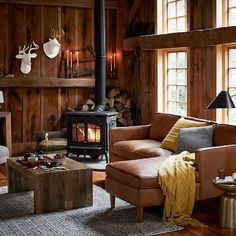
{"type": "Point", "coordinates": [17, 182]}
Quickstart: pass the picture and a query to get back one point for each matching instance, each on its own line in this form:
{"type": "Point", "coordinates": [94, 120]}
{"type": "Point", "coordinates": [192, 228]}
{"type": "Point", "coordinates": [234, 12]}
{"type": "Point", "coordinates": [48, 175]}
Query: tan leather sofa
{"type": "Point", "coordinates": [135, 158]}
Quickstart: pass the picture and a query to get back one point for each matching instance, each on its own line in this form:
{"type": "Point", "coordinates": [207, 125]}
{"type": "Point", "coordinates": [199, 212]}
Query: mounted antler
{"type": "Point", "coordinates": [33, 46]}
{"type": "Point", "coordinates": [52, 47]}
{"type": "Point", "coordinates": [55, 34]}
{"type": "Point", "coordinates": [26, 57]}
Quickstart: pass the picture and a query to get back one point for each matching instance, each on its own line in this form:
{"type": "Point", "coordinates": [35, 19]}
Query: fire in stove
{"type": "Point", "coordinates": [79, 134]}
{"type": "Point", "coordinates": [94, 133]}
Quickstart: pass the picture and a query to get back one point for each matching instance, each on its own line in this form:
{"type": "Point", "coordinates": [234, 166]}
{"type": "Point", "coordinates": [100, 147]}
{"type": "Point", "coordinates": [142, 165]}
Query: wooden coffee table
{"type": "Point", "coordinates": [55, 189]}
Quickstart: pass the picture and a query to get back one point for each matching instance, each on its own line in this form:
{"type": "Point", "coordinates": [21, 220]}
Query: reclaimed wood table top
{"type": "Point", "coordinates": [68, 163]}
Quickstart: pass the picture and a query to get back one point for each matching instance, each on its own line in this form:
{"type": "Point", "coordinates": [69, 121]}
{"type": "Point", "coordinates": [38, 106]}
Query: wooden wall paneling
{"type": "Point", "coordinates": [17, 37]}
{"type": "Point", "coordinates": [15, 101]}
{"type": "Point", "coordinates": [33, 33]}
{"type": "Point", "coordinates": [110, 40]}
{"type": "Point", "coordinates": [79, 22]}
{"type": "Point", "coordinates": [202, 78]}
{"type": "Point", "coordinates": [49, 21]}
{"type": "Point", "coordinates": [50, 110]}
{"type": "Point", "coordinates": [123, 74]}
{"type": "Point", "coordinates": [68, 21]}
{"type": "Point", "coordinates": [202, 14]}
{"type": "Point", "coordinates": [111, 4]}
{"type": "Point", "coordinates": [31, 114]}
{"type": "Point", "coordinates": [87, 36]}
{"type": "Point", "coordinates": [63, 103]}
{"type": "Point", "coordinates": [3, 32]}
{"type": "Point", "coordinates": [146, 87]}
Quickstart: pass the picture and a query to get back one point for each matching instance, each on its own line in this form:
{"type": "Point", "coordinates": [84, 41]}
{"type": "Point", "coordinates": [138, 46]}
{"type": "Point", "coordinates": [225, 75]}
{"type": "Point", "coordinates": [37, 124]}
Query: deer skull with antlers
{"type": "Point", "coordinates": [52, 47]}
{"type": "Point", "coordinates": [25, 66]}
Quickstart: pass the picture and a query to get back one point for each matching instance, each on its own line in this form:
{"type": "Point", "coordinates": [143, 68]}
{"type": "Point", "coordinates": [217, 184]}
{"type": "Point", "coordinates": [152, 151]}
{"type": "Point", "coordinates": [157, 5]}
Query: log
{"type": "Point", "coordinates": [110, 102]}
{"type": "Point", "coordinates": [113, 92]}
{"type": "Point", "coordinates": [128, 104]}
{"type": "Point", "coordinates": [123, 121]}
{"type": "Point", "coordinates": [118, 106]}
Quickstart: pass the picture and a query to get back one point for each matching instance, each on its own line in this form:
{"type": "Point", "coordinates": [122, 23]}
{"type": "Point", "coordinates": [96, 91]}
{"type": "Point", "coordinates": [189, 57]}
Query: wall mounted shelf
{"type": "Point", "coordinates": [53, 82]}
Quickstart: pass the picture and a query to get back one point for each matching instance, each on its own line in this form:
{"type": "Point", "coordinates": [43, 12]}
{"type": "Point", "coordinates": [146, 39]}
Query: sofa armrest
{"type": "Point", "coordinates": [117, 134]}
{"type": "Point", "coordinates": [208, 160]}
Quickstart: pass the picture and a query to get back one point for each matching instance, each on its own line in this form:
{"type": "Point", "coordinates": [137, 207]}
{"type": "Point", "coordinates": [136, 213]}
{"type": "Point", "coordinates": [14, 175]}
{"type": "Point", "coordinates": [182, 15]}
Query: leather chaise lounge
{"type": "Point", "coordinates": [135, 158]}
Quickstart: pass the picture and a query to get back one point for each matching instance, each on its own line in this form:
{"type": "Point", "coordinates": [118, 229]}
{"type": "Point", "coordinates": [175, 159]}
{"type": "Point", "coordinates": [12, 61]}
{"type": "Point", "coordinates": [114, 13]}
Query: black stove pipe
{"type": "Point", "coordinates": [100, 49]}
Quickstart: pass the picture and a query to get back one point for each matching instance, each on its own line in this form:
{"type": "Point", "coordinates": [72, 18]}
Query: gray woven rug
{"type": "Point", "coordinates": [17, 218]}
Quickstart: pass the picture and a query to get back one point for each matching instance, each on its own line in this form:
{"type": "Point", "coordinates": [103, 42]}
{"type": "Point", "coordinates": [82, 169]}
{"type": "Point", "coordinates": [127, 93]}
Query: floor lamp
{"type": "Point", "coordinates": [222, 100]}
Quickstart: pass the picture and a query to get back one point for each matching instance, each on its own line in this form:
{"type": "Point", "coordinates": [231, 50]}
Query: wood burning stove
{"type": "Point", "coordinates": [88, 132]}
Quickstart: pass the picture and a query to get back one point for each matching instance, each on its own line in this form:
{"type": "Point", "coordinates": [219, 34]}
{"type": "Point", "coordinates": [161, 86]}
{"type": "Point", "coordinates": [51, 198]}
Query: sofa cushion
{"type": "Point", "coordinates": [224, 135]}
{"type": "Point", "coordinates": [171, 140]}
{"type": "Point", "coordinates": [142, 173]}
{"type": "Point", "coordinates": [136, 149]}
{"type": "Point", "coordinates": [191, 139]}
{"type": "Point", "coordinates": [161, 125]}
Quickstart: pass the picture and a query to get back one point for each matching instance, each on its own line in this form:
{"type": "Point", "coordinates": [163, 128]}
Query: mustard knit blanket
{"type": "Point", "coordinates": [177, 181]}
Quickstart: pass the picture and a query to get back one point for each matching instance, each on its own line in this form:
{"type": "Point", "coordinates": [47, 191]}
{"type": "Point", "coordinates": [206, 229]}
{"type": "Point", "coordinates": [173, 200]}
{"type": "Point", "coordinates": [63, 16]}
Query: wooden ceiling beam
{"type": "Point", "coordinates": [196, 38]}
{"type": "Point", "coordinates": [66, 3]}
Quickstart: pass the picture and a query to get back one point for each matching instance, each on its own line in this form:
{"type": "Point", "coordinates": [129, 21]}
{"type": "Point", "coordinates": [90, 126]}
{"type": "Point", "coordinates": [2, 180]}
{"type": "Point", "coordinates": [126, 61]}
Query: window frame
{"type": "Point", "coordinates": [163, 83]}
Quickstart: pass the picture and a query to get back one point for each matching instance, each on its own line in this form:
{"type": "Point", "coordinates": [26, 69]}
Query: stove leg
{"type": "Point", "coordinates": [106, 157]}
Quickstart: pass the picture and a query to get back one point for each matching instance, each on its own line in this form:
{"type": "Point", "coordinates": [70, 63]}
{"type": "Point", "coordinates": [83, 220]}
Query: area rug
{"type": "Point", "coordinates": [17, 218]}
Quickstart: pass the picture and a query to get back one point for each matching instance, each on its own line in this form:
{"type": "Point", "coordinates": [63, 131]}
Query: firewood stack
{"type": "Point", "coordinates": [117, 101]}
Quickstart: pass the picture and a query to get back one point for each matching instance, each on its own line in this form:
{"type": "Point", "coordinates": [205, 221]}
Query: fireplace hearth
{"type": "Point", "coordinates": [88, 132]}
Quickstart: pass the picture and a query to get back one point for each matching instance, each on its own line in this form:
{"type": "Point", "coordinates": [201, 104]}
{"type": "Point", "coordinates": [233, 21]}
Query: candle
{"type": "Point", "coordinates": [67, 57]}
{"type": "Point", "coordinates": [114, 55]}
{"type": "Point", "coordinates": [77, 58]}
{"type": "Point", "coordinates": [46, 139]}
{"type": "Point", "coordinates": [111, 63]}
{"type": "Point", "coordinates": [71, 60]}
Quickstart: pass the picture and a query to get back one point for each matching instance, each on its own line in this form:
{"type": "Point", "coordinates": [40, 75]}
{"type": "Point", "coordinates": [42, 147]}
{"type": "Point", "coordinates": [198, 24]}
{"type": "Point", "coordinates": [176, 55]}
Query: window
{"type": "Point", "coordinates": [172, 63]}
{"type": "Point", "coordinates": [176, 16]}
{"type": "Point", "coordinates": [176, 82]}
{"type": "Point", "coordinates": [226, 60]}
{"type": "Point", "coordinates": [231, 12]}
{"type": "Point", "coordinates": [231, 76]}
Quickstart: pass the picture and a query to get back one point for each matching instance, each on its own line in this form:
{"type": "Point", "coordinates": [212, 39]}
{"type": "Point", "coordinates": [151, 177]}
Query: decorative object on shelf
{"type": "Point", "coordinates": [112, 66]}
{"type": "Point", "coordinates": [25, 67]}
{"type": "Point", "coordinates": [1, 99]}
{"type": "Point", "coordinates": [52, 47]}
{"type": "Point", "coordinates": [73, 61]}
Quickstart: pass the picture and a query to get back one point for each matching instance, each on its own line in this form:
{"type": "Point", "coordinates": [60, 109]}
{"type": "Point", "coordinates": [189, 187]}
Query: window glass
{"type": "Point", "coordinates": [232, 82]}
{"type": "Point", "coordinates": [176, 16]}
{"type": "Point", "coordinates": [177, 82]}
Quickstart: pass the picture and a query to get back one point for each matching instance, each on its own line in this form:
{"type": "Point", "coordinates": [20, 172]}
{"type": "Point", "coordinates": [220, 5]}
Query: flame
{"type": "Point", "coordinates": [93, 135]}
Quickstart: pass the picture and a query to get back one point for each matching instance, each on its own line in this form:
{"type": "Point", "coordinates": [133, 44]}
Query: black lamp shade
{"type": "Point", "coordinates": [223, 100]}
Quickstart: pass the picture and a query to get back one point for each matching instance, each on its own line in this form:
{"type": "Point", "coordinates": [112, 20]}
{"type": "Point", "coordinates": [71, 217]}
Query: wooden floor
{"type": "Point", "coordinates": [205, 211]}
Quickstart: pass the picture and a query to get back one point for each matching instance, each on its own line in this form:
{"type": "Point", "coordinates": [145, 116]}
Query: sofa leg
{"type": "Point", "coordinates": [112, 201]}
{"type": "Point", "coordinates": [139, 212]}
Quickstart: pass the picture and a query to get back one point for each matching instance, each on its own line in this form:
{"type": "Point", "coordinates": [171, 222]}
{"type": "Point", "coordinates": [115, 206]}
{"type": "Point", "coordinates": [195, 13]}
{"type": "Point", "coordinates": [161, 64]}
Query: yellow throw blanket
{"type": "Point", "coordinates": [177, 181]}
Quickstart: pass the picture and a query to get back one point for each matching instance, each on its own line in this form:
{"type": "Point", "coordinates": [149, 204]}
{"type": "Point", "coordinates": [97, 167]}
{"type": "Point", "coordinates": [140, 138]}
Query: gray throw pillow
{"type": "Point", "coordinates": [191, 139]}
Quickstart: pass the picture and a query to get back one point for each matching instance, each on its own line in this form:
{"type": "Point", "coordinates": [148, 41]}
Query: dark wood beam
{"type": "Point", "coordinates": [67, 3]}
{"type": "Point", "coordinates": [53, 83]}
{"type": "Point", "coordinates": [196, 38]}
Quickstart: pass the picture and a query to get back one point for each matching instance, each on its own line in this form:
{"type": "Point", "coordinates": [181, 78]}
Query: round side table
{"type": "Point", "coordinates": [227, 214]}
